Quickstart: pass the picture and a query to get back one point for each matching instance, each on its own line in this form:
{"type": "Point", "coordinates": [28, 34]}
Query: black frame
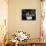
{"type": "Point", "coordinates": [28, 14]}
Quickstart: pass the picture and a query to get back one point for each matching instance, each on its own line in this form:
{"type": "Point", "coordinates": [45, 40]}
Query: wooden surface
{"type": "Point", "coordinates": [40, 44]}
{"type": "Point", "coordinates": [10, 44]}
{"type": "Point", "coordinates": [33, 42]}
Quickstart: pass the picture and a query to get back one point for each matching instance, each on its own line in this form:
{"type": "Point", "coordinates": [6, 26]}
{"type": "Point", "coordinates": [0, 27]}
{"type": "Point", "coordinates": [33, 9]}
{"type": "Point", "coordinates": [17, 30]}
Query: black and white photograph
{"type": "Point", "coordinates": [28, 14]}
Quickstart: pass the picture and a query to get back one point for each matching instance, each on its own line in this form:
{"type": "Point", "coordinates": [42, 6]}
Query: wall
{"type": "Point", "coordinates": [15, 21]}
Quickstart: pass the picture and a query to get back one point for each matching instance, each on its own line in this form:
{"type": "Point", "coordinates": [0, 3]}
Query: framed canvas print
{"type": "Point", "coordinates": [28, 14]}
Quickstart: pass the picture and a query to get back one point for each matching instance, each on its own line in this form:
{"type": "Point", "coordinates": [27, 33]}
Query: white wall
{"type": "Point", "coordinates": [15, 21]}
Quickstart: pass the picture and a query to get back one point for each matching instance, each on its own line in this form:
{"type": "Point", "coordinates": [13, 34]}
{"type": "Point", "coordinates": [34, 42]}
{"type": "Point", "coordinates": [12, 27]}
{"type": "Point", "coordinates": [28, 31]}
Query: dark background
{"type": "Point", "coordinates": [31, 11]}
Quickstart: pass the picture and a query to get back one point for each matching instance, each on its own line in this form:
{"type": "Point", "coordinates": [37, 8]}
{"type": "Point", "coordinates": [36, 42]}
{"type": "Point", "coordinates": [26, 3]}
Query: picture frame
{"type": "Point", "coordinates": [28, 14]}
